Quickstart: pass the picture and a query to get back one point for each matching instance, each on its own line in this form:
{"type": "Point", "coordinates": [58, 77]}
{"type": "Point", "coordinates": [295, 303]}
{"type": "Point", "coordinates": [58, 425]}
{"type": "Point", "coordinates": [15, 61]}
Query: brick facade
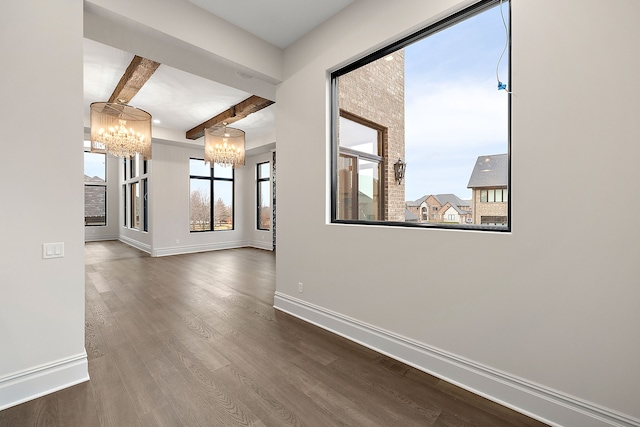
{"type": "Point", "coordinates": [375, 93]}
{"type": "Point", "coordinates": [481, 209]}
{"type": "Point", "coordinates": [94, 201]}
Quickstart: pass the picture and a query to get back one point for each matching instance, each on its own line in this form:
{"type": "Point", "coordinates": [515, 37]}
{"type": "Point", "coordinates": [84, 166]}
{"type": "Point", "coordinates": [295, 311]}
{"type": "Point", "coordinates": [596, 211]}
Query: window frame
{"type": "Point", "coordinates": [104, 185]}
{"type": "Point", "coordinates": [260, 180]}
{"type": "Point", "coordinates": [335, 113]}
{"type": "Point", "coordinates": [136, 172]}
{"type": "Point", "coordinates": [358, 155]}
{"type": "Point", "coordinates": [212, 179]}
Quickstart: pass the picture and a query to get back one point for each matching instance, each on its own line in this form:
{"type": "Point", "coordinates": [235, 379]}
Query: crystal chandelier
{"type": "Point", "coordinates": [224, 146]}
{"type": "Point", "coordinates": [120, 129]}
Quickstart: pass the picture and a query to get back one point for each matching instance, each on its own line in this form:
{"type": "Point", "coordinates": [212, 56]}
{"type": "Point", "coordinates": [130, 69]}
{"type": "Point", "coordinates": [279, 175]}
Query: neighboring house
{"type": "Point", "coordinates": [95, 197]}
{"type": "Point", "coordinates": [454, 214]}
{"type": "Point", "coordinates": [419, 208]}
{"type": "Point", "coordinates": [441, 208]}
{"type": "Point", "coordinates": [489, 183]}
{"type": "Point", "coordinates": [410, 216]}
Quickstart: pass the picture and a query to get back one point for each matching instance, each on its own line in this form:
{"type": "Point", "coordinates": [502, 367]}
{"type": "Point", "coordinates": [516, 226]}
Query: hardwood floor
{"type": "Point", "coordinates": [193, 340]}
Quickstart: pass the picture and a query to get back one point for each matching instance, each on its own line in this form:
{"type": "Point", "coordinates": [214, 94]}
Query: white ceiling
{"type": "Point", "coordinates": [280, 22]}
{"type": "Point", "coordinates": [180, 100]}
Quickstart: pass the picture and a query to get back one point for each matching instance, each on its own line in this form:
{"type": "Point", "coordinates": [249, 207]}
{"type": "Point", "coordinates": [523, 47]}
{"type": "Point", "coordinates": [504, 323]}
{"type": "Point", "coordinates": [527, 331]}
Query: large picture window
{"type": "Point", "coordinates": [263, 183]}
{"type": "Point", "coordinates": [421, 127]}
{"type": "Point", "coordinates": [211, 197]}
{"type": "Point", "coordinates": [95, 189]}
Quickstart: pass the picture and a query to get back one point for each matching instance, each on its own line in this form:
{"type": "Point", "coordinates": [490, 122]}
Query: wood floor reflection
{"type": "Point", "coordinates": [193, 340]}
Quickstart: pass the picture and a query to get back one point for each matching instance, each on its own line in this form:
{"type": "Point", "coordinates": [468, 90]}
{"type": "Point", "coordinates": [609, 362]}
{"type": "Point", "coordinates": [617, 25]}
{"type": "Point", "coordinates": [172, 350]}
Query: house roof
{"type": "Point", "coordinates": [490, 171]}
{"type": "Point", "coordinates": [419, 201]}
{"type": "Point", "coordinates": [88, 178]}
{"type": "Point", "coordinates": [452, 199]}
{"type": "Point", "coordinates": [410, 216]}
{"type": "Point", "coordinates": [456, 208]}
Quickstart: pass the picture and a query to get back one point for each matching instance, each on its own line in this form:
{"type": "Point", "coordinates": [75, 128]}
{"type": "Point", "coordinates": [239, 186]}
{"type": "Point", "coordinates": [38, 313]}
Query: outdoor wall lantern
{"type": "Point", "coordinates": [399, 168]}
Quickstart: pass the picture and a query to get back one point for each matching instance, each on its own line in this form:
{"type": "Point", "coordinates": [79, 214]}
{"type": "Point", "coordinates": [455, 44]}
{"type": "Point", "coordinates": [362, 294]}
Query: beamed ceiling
{"type": "Point", "coordinates": [185, 103]}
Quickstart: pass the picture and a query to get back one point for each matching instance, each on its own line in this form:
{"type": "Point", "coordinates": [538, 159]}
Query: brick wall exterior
{"type": "Point", "coordinates": [94, 204]}
{"type": "Point", "coordinates": [481, 209]}
{"type": "Point", "coordinates": [375, 92]}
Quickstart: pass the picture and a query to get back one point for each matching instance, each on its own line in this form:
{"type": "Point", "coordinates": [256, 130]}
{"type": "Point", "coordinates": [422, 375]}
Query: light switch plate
{"type": "Point", "coordinates": [53, 250]}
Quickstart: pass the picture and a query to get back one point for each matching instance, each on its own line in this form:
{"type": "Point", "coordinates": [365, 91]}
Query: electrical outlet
{"type": "Point", "coordinates": [300, 287]}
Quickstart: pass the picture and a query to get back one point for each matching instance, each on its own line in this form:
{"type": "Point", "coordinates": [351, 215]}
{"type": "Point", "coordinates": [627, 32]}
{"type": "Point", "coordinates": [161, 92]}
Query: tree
{"type": "Point", "coordinates": [199, 215]}
{"type": "Point", "coordinates": [221, 214]}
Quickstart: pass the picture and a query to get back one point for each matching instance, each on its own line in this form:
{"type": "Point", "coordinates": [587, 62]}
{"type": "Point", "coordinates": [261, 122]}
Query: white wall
{"type": "Point", "coordinates": [546, 317]}
{"type": "Point", "coordinates": [41, 183]}
{"type": "Point", "coordinates": [262, 239]}
{"type": "Point", "coordinates": [169, 199]}
{"type": "Point", "coordinates": [169, 206]}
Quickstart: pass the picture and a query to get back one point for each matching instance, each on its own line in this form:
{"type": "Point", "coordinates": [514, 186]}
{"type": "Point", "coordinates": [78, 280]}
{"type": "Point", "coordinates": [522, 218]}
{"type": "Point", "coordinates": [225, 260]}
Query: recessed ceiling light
{"type": "Point", "coordinates": [156, 121]}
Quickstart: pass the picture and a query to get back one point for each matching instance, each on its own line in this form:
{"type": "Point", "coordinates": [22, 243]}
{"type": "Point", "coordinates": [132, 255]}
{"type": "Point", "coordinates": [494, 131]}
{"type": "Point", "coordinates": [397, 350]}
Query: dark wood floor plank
{"type": "Point", "coordinates": [93, 341]}
{"type": "Point", "coordinates": [257, 398]}
{"type": "Point", "coordinates": [112, 401]}
{"type": "Point", "coordinates": [76, 406]}
{"type": "Point", "coordinates": [184, 403]}
{"type": "Point", "coordinates": [194, 396]}
{"type": "Point", "coordinates": [163, 416]}
{"type": "Point", "coordinates": [193, 340]}
{"type": "Point", "coordinates": [143, 391]}
{"type": "Point", "coordinates": [485, 405]}
{"type": "Point", "coordinates": [386, 410]}
{"type": "Point", "coordinates": [42, 412]}
{"type": "Point", "coordinates": [341, 407]}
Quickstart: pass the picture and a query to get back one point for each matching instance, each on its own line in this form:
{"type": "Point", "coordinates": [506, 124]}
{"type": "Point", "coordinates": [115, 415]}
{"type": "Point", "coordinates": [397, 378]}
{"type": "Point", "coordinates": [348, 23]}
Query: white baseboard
{"type": "Point", "coordinates": [100, 238]}
{"type": "Point", "coordinates": [534, 400]}
{"type": "Point", "coordinates": [138, 245]}
{"type": "Point", "coordinates": [260, 244]}
{"type": "Point", "coordinates": [189, 249]}
{"type": "Point", "coordinates": [41, 380]}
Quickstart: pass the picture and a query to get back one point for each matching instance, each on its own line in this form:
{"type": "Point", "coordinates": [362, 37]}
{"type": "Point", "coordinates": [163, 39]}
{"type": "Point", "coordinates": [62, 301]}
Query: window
{"type": "Point", "coordinates": [135, 193]}
{"type": "Point", "coordinates": [135, 205]}
{"type": "Point", "coordinates": [264, 196]}
{"type": "Point", "coordinates": [124, 205]}
{"type": "Point", "coordinates": [494, 195]}
{"type": "Point", "coordinates": [432, 101]}
{"type": "Point", "coordinates": [359, 169]}
{"type": "Point", "coordinates": [451, 217]}
{"type": "Point", "coordinates": [494, 220]}
{"type": "Point", "coordinates": [209, 184]}
{"type": "Point", "coordinates": [95, 188]}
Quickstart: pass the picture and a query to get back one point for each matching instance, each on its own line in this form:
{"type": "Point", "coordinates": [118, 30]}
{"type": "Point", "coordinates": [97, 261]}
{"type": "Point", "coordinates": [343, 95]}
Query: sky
{"type": "Point", "coordinates": [454, 111]}
{"type": "Point", "coordinates": [94, 165]}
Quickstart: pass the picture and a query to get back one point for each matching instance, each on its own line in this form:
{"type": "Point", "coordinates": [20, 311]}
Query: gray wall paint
{"type": "Point", "coordinates": [553, 302]}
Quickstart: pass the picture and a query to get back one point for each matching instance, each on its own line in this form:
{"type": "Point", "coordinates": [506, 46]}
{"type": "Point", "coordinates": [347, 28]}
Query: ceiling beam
{"type": "Point", "coordinates": [134, 77]}
{"type": "Point", "coordinates": [239, 111]}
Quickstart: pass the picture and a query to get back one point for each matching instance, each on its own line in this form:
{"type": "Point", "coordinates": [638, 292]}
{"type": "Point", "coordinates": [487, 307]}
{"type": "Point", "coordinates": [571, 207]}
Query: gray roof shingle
{"type": "Point", "coordinates": [451, 198]}
{"type": "Point", "coordinates": [490, 171]}
{"type": "Point", "coordinates": [410, 216]}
